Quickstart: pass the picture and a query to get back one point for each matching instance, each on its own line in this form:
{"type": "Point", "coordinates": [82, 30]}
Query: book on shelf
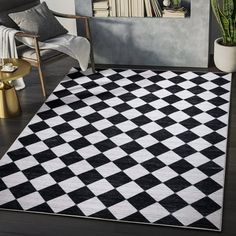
{"type": "Point", "coordinates": [112, 7]}
{"type": "Point", "coordinates": [148, 8]}
{"type": "Point", "coordinates": [100, 8]}
{"type": "Point", "coordinates": [101, 13]}
{"type": "Point", "coordinates": [175, 13]}
{"type": "Point", "coordinates": [156, 8]}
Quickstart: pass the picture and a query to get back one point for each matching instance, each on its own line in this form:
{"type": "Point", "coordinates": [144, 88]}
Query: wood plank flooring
{"type": "Point", "coordinates": [26, 224]}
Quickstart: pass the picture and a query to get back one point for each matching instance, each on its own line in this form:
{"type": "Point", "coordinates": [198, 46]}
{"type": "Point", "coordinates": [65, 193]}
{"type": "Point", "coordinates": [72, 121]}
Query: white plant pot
{"type": "Point", "coordinates": [224, 56]}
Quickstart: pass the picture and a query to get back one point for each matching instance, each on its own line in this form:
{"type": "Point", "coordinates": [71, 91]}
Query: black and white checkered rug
{"type": "Point", "coordinates": [145, 147]}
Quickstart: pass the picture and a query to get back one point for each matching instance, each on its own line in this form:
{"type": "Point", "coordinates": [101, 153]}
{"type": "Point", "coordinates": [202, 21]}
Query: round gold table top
{"type": "Point", "coordinates": [23, 69]}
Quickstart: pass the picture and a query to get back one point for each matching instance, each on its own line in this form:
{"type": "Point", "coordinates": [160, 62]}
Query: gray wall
{"type": "Point", "coordinates": [151, 41]}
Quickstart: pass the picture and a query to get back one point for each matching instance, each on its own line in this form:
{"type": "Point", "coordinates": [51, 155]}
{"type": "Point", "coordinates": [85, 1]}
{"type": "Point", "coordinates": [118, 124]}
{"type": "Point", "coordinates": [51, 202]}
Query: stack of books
{"type": "Point", "coordinates": [100, 8]}
{"type": "Point", "coordinates": [175, 13]}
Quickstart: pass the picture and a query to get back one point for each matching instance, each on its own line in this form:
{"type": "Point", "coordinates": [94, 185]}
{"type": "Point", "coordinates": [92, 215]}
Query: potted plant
{"type": "Point", "coordinates": [225, 47]}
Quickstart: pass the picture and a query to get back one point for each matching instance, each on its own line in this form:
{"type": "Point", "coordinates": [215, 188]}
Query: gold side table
{"type": "Point", "coordinates": [9, 103]}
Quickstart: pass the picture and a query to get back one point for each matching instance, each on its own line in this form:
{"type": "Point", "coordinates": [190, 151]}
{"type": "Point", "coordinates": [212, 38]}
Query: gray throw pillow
{"type": "Point", "coordinates": [39, 20]}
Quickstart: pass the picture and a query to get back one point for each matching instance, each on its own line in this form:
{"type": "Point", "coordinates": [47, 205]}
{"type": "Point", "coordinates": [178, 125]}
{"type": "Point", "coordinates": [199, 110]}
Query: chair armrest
{"type": "Point", "coordinates": [23, 34]}
{"type": "Point", "coordinates": [69, 16]}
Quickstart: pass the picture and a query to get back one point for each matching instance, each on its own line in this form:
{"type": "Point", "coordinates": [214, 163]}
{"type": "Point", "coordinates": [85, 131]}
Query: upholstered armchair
{"type": "Point", "coordinates": [35, 56]}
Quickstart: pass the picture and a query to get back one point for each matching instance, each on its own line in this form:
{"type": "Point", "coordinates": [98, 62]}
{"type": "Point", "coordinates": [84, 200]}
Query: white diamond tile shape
{"type": "Point", "coordinates": [141, 155]}
{"type": "Point", "coordinates": [129, 190]}
{"type": "Point", "coordinates": [54, 121]}
{"type": "Point", "coordinates": [113, 101]}
{"type": "Point", "coordinates": [216, 218]}
{"type": "Point", "coordinates": [146, 141]}
{"type": "Point", "coordinates": [14, 179]}
{"type": "Point", "coordinates": [208, 85]}
{"type": "Point", "coordinates": [162, 93]}
{"type": "Point", "coordinates": [128, 73]}
{"type": "Point", "coordinates": [136, 172]}
{"type": "Point", "coordinates": [91, 206]}
{"type": "Point", "coordinates": [6, 196]}
{"type": "Point", "coordinates": [155, 115]}
{"type": "Point", "coordinates": [123, 82]}
{"type": "Point", "coordinates": [95, 137]}
{"type": "Point", "coordinates": [91, 100]}
{"type": "Point", "coordinates": [203, 117]}
{"type": "Point", "coordinates": [102, 124]}
{"type": "Point", "coordinates": [189, 75]}
{"type": "Point", "coordinates": [131, 114]}
{"type": "Point", "coordinates": [42, 182]}
{"type": "Point", "coordinates": [194, 176]}
{"type": "Point", "coordinates": [5, 160]}
{"type": "Point", "coordinates": [207, 95]}
{"type": "Point", "coordinates": [210, 76]}
{"type": "Point", "coordinates": [119, 91]}
{"type": "Point", "coordinates": [147, 74]}
{"type": "Point", "coordinates": [154, 212]}
{"type": "Point", "coordinates": [176, 129]}
{"type": "Point", "coordinates": [205, 106]}
{"type": "Point", "coordinates": [184, 94]}
{"type": "Point", "coordinates": [151, 127]}
{"type": "Point", "coordinates": [62, 150]}
{"type": "Point", "coordinates": [85, 111]}
{"type": "Point", "coordinates": [179, 116]}
{"type": "Point", "coordinates": [71, 135]}
{"type": "Point", "coordinates": [60, 203]}
{"type": "Point", "coordinates": [165, 83]}
{"type": "Point", "coordinates": [187, 84]}
{"type": "Point", "coordinates": [199, 144]}
{"type": "Point", "coordinates": [100, 187]}
{"type": "Point", "coordinates": [165, 174]}
{"type": "Point", "coordinates": [30, 200]}
{"type": "Point", "coordinates": [103, 81]}
{"type": "Point", "coordinates": [80, 167]}
{"type": "Point", "coordinates": [63, 110]}
{"type": "Point", "coordinates": [137, 102]}
{"type": "Point", "coordinates": [121, 139]}
{"type": "Point", "coordinates": [108, 169]}
{"type": "Point", "coordinates": [217, 196]}
{"type": "Point", "coordinates": [201, 130]}
{"type": "Point", "coordinates": [187, 215]}
{"type": "Point", "coordinates": [182, 105]}
{"type": "Point", "coordinates": [122, 209]}
{"type": "Point", "coordinates": [160, 192]}
{"type": "Point", "coordinates": [168, 74]}
{"type": "Point", "coordinates": [126, 126]}
{"type": "Point", "coordinates": [159, 103]}
{"type": "Point", "coordinates": [144, 83]}
{"type": "Point", "coordinates": [115, 153]}
{"type": "Point", "coordinates": [37, 148]}
{"type": "Point", "coordinates": [191, 194]}
{"type": "Point", "coordinates": [169, 157]}
{"type": "Point", "coordinates": [108, 112]}
{"type": "Point", "coordinates": [26, 163]}
{"type": "Point", "coordinates": [36, 119]}
{"type": "Point", "coordinates": [97, 90]}
{"type": "Point", "coordinates": [219, 177]}
{"type": "Point", "coordinates": [140, 92]}
{"type": "Point", "coordinates": [71, 98]}
{"type": "Point", "coordinates": [80, 122]}
{"type": "Point", "coordinates": [46, 133]}
{"type": "Point", "coordinates": [71, 184]}
{"type": "Point", "coordinates": [88, 151]}
{"type": "Point", "coordinates": [197, 159]}
{"type": "Point", "coordinates": [53, 165]}
{"type": "Point", "coordinates": [173, 142]}
{"type": "Point", "coordinates": [83, 80]}
{"type": "Point", "coordinates": [108, 72]}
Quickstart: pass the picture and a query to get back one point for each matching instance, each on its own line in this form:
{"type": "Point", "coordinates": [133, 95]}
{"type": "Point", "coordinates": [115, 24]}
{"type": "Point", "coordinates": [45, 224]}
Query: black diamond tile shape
{"type": "Point", "coordinates": [173, 203]}
{"type": "Point", "coordinates": [51, 192]}
{"type": "Point", "coordinates": [136, 133]}
{"type": "Point", "coordinates": [219, 91]}
{"type": "Point", "coordinates": [136, 217]}
{"type": "Point", "coordinates": [174, 89]}
{"type": "Point", "coordinates": [198, 80]}
{"type": "Point", "coordinates": [2, 185]}
{"type": "Point", "coordinates": [125, 162]}
{"type": "Point", "coordinates": [93, 117]}
{"type": "Point", "coordinates": [110, 86]}
{"type": "Point", "coordinates": [184, 150]}
{"type": "Point", "coordinates": [47, 114]}
{"type": "Point", "coordinates": [177, 184]}
{"type": "Point", "coordinates": [98, 160]}
{"type": "Point", "coordinates": [44, 156]}
{"type": "Point", "coordinates": [218, 101]}
{"type": "Point", "coordinates": [167, 110]}
{"type": "Point", "coordinates": [117, 119]}
{"type": "Point", "coordinates": [62, 174]}
{"type": "Point", "coordinates": [90, 177]}
{"type": "Point", "coordinates": [215, 124]}
{"type": "Point", "coordinates": [115, 77]}
{"type": "Point", "coordinates": [84, 94]}
{"type": "Point", "coordinates": [181, 166]}
{"type": "Point", "coordinates": [90, 85]}
{"type": "Point", "coordinates": [148, 181]}
{"type": "Point", "coordinates": [177, 79]}
{"type": "Point", "coordinates": [62, 128]}
{"type": "Point", "coordinates": [196, 90]}
{"type": "Point", "coordinates": [111, 198]}
{"type": "Point", "coordinates": [18, 154]}
{"type": "Point", "coordinates": [12, 205]}
{"type": "Point", "coordinates": [190, 123]}
{"type": "Point", "coordinates": [34, 172]}
{"type": "Point", "coordinates": [71, 158]}
{"type": "Point", "coordinates": [131, 147]}
{"type": "Point", "coordinates": [153, 164]}
{"type": "Point", "coordinates": [141, 201]}
{"type": "Point", "coordinates": [158, 149]}
{"type": "Point", "coordinates": [96, 76]}
{"type": "Point", "coordinates": [208, 186]}
{"type": "Point", "coordinates": [77, 105]}
{"type": "Point", "coordinates": [204, 224]}
{"type": "Point", "coordinates": [210, 168]}
{"type": "Point", "coordinates": [105, 145]}
{"type": "Point", "coordinates": [22, 190]}
{"type": "Point", "coordinates": [42, 208]}
{"type": "Point", "coordinates": [212, 152]}
{"type": "Point", "coordinates": [54, 141]}
{"type": "Point", "coordinates": [149, 98]}
{"type": "Point", "coordinates": [220, 81]}
{"type": "Point", "coordinates": [127, 97]}
{"type": "Point", "coordinates": [111, 131]}
{"type": "Point", "coordinates": [153, 88]}
{"type": "Point", "coordinates": [165, 122]}
{"type": "Point", "coordinates": [72, 211]}
{"type": "Point", "coordinates": [62, 93]}
{"type": "Point", "coordinates": [141, 120]}
{"type": "Point", "coordinates": [192, 111]}
{"type": "Point", "coordinates": [216, 112]}
{"type": "Point", "coordinates": [156, 78]}
{"type": "Point", "coordinates": [79, 143]}
{"type": "Point", "coordinates": [171, 99]}
{"type": "Point", "coordinates": [122, 107]}
{"type": "Point", "coordinates": [206, 206]}
{"type": "Point", "coordinates": [70, 83]}
{"type": "Point", "coordinates": [70, 116]}
{"type": "Point", "coordinates": [118, 179]}
{"type": "Point", "coordinates": [214, 138]}
{"type": "Point", "coordinates": [104, 214]}
{"type": "Point", "coordinates": [86, 130]}
{"type": "Point", "coordinates": [161, 135]}
{"type": "Point", "coordinates": [55, 103]}
{"type": "Point", "coordinates": [145, 108]}
{"type": "Point", "coordinates": [187, 136]}
{"type": "Point", "coordinates": [81, 195]}
{"type": "Point", "coordinates": [8, 169]}
{"type": "Point", "coordinates": [131, 87]}
{"type": "Point", "coordinates": [169, 220]}
{"type": "Point", "coordinates": [136, 77]}
{"type": "Point", "coordinates": [195, 100]}
{"type": "Point", "coordinates": [99, 106]}
{"type": "Point", "coordinates": [38, 126]}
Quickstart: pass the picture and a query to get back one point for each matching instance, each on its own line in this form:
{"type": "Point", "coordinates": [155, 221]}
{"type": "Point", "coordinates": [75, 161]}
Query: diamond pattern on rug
{"type": "Point", "coordinates": [146, 147]}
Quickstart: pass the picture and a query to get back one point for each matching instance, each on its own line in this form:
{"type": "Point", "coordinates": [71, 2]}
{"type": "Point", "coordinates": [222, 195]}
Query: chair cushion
{"type": "Point", "coordinates": [39, 20]}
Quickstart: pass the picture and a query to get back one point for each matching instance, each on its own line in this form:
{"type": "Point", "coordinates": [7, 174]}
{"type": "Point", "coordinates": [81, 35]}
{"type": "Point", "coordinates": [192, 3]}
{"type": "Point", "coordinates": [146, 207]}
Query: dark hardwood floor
{"type": "Point", "coordinates": [26, 224]}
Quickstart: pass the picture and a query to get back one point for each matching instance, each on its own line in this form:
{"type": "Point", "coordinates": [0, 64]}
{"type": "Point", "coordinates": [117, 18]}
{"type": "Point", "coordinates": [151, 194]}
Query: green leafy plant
{"type": "Point", "coordinates": [175, 3]}
{"type": "Point", "coordinates": [225, 13]}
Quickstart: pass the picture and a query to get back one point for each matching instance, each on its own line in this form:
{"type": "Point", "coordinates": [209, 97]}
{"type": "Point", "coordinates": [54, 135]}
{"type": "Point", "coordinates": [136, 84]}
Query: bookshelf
{"type": "Point", "coordinates": [151, 41]}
